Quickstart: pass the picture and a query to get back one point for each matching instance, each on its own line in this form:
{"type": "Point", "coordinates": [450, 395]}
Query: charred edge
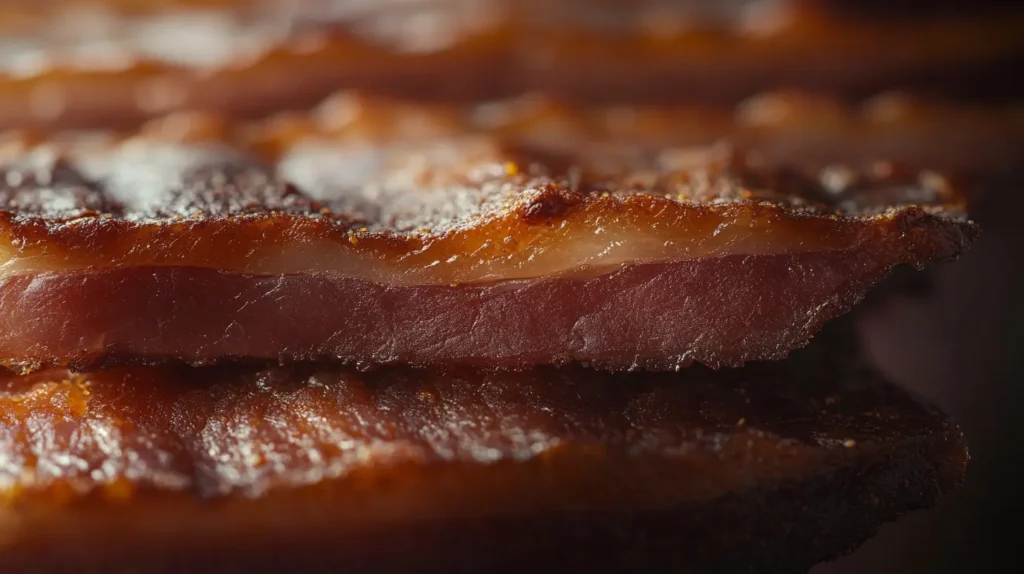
{"type": "Point", "coordinates": [552, 203]}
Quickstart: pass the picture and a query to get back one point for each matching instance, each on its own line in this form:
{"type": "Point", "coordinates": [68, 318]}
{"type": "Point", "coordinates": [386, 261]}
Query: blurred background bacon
{"type": "Point", "coordinates": [87, 64]}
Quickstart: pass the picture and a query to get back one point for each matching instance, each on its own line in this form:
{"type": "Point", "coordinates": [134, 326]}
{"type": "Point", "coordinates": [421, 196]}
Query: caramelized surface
{"type": "Point", "coordinates": [403, 196]}
{"type": "Point", "coordinates": [345, 461]}
{"type": "Point", "coordinates": [95, 68]}
{"type": "Point", "coordinates": [367, 246]}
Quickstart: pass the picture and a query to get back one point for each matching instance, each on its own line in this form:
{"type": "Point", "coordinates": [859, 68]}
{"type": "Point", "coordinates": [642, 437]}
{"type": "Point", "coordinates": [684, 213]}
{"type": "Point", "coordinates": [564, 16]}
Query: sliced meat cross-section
{"type": "Point", "coordinates": [464, 249]}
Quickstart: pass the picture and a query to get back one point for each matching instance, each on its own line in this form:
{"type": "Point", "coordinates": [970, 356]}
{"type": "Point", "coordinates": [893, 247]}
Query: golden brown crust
{"type": "Point", "coordinates": [416, 204]}
{"type": "Point", "coordinates": [208, 241]}
{"type": "Point", "coordinates": [359, 458]}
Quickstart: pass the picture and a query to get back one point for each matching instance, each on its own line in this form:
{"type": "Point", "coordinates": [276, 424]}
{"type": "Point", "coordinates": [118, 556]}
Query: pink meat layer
{"type": "Point", "coordinates": [717, 311]}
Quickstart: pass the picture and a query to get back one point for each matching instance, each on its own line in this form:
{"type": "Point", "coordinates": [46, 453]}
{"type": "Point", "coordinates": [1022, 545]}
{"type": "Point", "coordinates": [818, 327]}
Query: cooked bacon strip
{"type": "Point", "coordinates": [460, 250]}
{"type": "Point", "coordinates": [659, 55]}
{"type": "Point", "coordinates": [782, 126]}
{"type": "Point", "coordinates": [247, 60]}
{"type": "Point", "coordinates": [115, 70]}
{"type": "Point", "coordinates": [894, 128]}
{"type": "Point", "coordinates": [527, 471]}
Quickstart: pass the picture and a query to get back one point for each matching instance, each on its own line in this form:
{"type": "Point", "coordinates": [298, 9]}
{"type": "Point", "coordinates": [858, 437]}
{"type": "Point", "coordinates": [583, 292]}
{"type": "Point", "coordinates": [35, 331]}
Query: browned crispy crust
{"type": "Point", "coordinates": [770, 468]}
{"type": "Point", "coordinates": [491, 48]}
{"type": "Point", "coordinates": [499, 236]}
{"type": "Point", "coordinates": [446, 182]}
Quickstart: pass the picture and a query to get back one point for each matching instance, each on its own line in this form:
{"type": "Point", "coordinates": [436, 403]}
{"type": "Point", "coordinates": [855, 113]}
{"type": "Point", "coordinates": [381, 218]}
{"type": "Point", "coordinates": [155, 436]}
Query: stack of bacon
{"type": "Point", "coordinates": [483, 308]}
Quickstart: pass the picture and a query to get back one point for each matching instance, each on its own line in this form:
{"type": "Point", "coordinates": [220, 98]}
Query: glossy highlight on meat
{"type": "Point", "coordinates": [62, 65]}
{"type": "Point", "coordinates": [468, 250]}
{"type": "Point", "coordinates": [691, 470]}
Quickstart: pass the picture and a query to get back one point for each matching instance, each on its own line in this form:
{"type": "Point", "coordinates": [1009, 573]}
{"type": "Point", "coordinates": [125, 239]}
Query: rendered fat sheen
{"type": "Point", "coordinates": [457, 469]}
{"type": "Point", "coordinates": [150, 251]}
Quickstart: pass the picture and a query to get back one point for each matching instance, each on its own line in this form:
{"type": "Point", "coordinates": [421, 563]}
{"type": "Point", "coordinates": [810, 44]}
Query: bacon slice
{"type": "Point", "coordinates": [894, 130]}
{"type": "Point", "coordinates": [537, 470]}
{"type": "Point", "coordinates": [251, 58]}
{"type": "Point", "coordinates": [462, 250]}
{"type": "Point", "coordinates": [808, 129]}
{"type": "Point", "coordinates": [659, 55]}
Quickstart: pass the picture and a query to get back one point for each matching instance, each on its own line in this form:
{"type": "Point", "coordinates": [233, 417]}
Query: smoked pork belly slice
{"type": "Point", "coordinates": [101, 66]}
{"type": "Point", "coordinates": [457, 251]}
{"type": "Point", "coordinates": [237, 468]}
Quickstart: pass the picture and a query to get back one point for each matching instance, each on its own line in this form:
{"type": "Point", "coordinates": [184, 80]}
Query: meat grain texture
{"type": "Point", "coordinates": [468, 249]}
